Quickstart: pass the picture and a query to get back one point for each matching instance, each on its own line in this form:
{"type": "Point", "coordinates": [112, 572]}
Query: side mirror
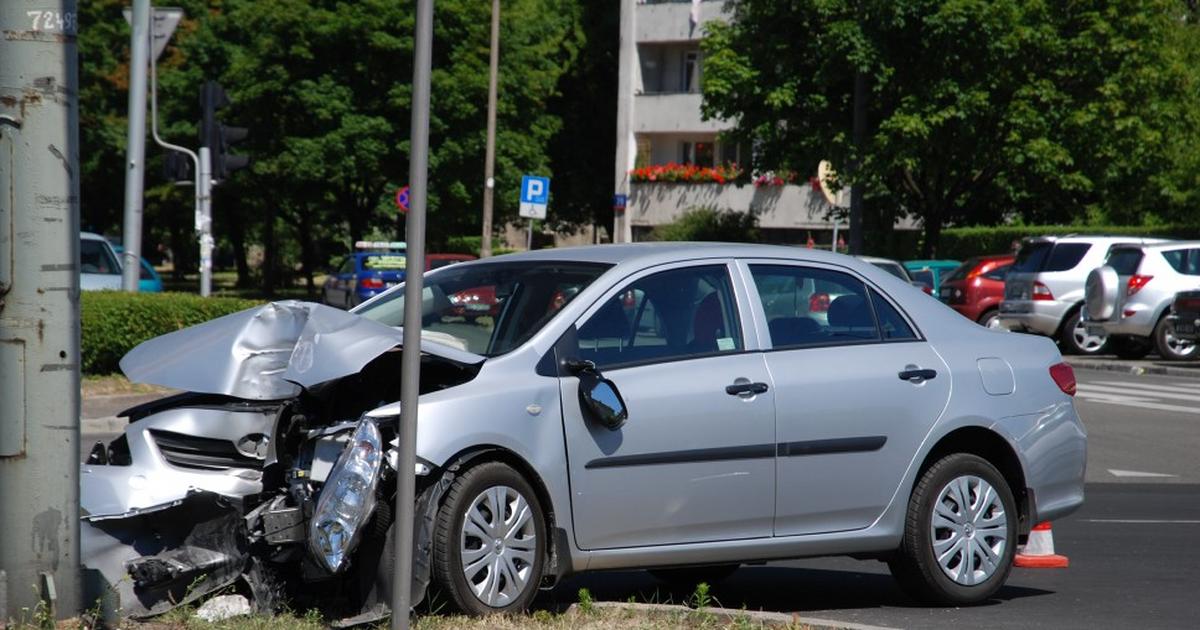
{"type": "Point", "coordinates": [598, 396]}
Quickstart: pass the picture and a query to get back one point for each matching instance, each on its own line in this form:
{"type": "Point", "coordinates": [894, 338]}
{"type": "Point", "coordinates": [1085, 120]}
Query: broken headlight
{"type": "Point", "coordinates": [347, 499]}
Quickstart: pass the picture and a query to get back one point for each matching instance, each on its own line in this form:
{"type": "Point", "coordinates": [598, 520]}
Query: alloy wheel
{"type": "Point", "coordinates": [1087, 343]}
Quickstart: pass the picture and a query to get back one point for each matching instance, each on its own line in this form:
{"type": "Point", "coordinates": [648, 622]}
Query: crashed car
{"type": "Point", "coordinates": [631, 406]}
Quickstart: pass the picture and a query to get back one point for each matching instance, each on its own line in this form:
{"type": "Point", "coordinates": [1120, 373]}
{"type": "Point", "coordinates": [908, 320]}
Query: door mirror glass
{"type": "Point", "coordinates": [601, 401]}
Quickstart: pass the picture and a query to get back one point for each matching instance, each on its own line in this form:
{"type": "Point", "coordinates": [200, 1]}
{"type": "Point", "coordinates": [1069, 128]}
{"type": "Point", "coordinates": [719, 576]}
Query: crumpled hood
{"type": "Point", "coordinates": [270, 352]}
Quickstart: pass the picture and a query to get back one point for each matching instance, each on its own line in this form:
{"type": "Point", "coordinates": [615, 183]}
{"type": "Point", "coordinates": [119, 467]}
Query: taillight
{"type": "Point", "coordinates": [927, 289]}
{"type": "Point", "coordinates": [1064, 377]}
{"type": "Point", "coordinates": [1136, 283]}
{"type": "Point", "coordinates": [1187, 304]}
{"type": "Point", "coordinates": [1041, 292]}
{"type": "Point", "coordinates": [370, 283]}
{"type": "Point", "coordinates": [818, 303]}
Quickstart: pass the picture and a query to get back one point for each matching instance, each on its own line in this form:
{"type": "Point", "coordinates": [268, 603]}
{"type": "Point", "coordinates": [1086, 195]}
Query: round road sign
{"type": "Point", "coordinates": [402, 199]}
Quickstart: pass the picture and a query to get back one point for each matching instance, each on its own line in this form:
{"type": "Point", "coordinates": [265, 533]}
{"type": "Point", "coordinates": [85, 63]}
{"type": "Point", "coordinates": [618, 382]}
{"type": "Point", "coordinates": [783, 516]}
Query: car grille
{"type": "Point", "coordinates": [189, 451]}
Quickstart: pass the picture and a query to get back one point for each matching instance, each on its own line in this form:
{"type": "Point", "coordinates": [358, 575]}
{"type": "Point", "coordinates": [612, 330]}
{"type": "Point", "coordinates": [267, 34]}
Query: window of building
{"type": "Point", "coordinates": [690, 72]}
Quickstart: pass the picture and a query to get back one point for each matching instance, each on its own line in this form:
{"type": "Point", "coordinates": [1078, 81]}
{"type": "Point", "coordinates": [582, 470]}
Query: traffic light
{"type": "Point", "coordinates": [217, 136]}
{"type": "Point", "coordinates": [177, 168]}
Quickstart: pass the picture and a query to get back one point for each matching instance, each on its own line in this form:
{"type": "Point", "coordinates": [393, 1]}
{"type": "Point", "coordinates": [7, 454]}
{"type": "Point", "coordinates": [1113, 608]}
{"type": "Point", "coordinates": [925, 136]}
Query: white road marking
{"type": "Point", "coordinates": [1193, 390]}
{"type": "Point", "coordinates": [1170, 395]}
{"type": "Point", "coordinates": [1141, 521]}
{"type": "Point", "coordinates": [1137, 473]}
{"type": "Point", "coordinates": [1130, 401]}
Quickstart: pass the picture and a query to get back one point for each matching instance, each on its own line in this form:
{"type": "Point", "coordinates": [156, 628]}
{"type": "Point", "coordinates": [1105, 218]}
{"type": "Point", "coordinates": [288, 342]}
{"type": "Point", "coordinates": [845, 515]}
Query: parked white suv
{"type": "Point", "coordinates": [1043, 291]}
{"type": "Point", "coordinates": [1129, 298]}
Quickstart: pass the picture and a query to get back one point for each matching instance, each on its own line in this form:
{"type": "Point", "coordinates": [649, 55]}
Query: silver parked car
{"type": "Point", "coordinates": [1129, 298]}
{"type": "Point", "coordinates": [682, 408]}
{"type": "Point", "coordinates": [99, 267]}
{"type": "Point", "coordinates": [1043, 291]}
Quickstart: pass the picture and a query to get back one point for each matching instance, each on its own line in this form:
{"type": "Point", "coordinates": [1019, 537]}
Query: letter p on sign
{"type": "Point", "coordinates": [535, 196]}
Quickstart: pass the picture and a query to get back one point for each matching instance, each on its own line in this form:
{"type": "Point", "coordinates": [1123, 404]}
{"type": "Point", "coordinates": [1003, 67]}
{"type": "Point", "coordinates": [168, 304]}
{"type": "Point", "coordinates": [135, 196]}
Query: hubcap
{"type": "Point", "coordinates": [498, 545]}
{"type": "Point", "coordinates": [969, 530]}
{"type": "Point", "coordinates": [1086, 342]}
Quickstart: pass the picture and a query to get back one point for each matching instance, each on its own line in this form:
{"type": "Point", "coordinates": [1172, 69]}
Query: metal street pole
{"type": "Point", "coordinates": [39, 309]}
{"type": "Point", "coordinates": [414, 284]}
{"type": "Point", "coordinates": [135, 164]}
{"type": "Point", "coordinates": [489, 161]}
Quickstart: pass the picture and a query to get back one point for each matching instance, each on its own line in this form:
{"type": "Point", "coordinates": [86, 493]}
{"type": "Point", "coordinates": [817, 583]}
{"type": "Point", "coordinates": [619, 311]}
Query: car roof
{"type": "Point", "coordinates": [875, 260]}
{"type": "Point", "coordinates": [1095, 238]}
{"type": "Point", "coordinates": [91, 236]}
{"type": "Point", "coordinates": [1171, 245]}
{"type": "Point", "coordinates": [646, 254]}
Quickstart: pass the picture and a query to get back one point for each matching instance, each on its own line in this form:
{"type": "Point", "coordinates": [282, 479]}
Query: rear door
{"type": "Point", "coordinates": [856, 391]}
{"type": "Point", "coordinates": [695, 461]}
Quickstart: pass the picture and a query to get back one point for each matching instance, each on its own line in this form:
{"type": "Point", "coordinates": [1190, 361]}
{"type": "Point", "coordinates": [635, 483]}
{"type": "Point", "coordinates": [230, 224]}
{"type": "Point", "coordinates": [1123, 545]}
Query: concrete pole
{"type": "Point", "coordinates": [489, 161]}
{"type": "Point", "coordinates": [135, 164]}
{"type": "Point", "coordinates": [626, 141]}
{"type": "Point", "coordinates": [39, 309]}
{"type": "Point", "coordinates": [414, 283]}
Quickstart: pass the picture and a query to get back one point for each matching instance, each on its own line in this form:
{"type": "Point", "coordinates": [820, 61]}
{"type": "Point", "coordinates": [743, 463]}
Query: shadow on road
{"type": "Point", "coordinates": [770, 588]}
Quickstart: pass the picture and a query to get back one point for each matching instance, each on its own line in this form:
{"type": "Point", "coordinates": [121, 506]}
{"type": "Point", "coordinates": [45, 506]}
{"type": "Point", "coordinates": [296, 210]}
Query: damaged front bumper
{"type": "Point", "coordinates": [215, 488]}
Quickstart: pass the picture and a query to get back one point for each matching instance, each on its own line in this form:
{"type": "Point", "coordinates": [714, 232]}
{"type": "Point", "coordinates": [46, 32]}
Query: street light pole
{"type": "Point", "coordinates": [489, 161]}
{"type": "Point", "coordinates": [414, 283]}
{"type": "Point", "coordinates": [135, 163]}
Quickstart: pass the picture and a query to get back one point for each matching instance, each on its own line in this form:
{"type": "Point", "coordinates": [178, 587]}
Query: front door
{"type": "Point", "coordinates": [849, 422]}
{"type": "Point", "coordinates": [695, 461]}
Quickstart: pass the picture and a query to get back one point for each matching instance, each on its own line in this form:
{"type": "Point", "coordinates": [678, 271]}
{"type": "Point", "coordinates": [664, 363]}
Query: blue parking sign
{"type": "Point", "coordinates": [535, 196]}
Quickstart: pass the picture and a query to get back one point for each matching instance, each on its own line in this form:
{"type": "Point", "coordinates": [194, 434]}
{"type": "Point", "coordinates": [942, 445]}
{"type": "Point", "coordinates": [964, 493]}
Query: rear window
{"type": "Point", "coordinates": [1031, 256]}
{"type": "Point", "coordinates": [1185, 261]}
{"type": "Point", "coordinates": [960, 273]}
{"type": "Point", "coordinates": [1124, 260]}
{"type": "Point", "coordinates": [1065, 256]}
{"type": "Point", "coordinates": [998, 273]}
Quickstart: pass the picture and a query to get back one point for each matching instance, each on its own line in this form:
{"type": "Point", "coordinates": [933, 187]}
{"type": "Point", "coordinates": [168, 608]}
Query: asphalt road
{"type": "Point", "coordinates": [1134, 559]}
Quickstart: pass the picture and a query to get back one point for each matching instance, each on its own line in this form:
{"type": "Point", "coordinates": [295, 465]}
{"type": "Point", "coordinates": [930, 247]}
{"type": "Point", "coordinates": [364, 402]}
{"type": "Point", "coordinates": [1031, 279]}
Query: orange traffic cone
{"type": "Point", "coordinates": [1038, 552]}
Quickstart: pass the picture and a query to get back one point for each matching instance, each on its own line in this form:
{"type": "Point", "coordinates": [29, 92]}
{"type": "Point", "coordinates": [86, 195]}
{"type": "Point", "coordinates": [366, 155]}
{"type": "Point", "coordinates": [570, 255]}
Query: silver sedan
{"type": "Point", "coordinates": [682, 408]}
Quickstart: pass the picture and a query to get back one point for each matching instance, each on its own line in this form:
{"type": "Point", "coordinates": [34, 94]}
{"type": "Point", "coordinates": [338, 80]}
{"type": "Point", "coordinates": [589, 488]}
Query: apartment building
{"type": "Point", "coordinates": [659, 123]}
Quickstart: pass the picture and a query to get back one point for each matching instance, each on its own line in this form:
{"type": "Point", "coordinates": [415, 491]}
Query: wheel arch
{"type": "Point", "coordinates": [1062, 322]}
{"type": "Point", "coordinates": [991, 446]}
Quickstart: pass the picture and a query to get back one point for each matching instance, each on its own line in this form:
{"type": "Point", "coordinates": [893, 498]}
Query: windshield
{"type": "Point", "coordinates": [489, 309]}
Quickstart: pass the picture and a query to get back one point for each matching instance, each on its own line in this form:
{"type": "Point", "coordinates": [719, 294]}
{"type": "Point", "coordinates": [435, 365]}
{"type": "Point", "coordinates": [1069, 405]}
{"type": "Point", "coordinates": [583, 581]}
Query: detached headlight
{"type": "Point", "coordinates": [347, 499]}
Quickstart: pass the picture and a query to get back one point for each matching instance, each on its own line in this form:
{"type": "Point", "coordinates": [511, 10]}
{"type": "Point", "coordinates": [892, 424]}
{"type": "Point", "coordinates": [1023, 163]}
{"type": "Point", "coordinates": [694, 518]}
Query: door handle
{"type": "Point", "coordinates": [916, 374]}
{"type": "Point", "coordinates": [746, 389]}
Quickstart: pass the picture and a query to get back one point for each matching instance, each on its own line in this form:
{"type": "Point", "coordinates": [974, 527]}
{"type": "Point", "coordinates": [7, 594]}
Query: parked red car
{"type": "Point", "coordinates": [976, 288]}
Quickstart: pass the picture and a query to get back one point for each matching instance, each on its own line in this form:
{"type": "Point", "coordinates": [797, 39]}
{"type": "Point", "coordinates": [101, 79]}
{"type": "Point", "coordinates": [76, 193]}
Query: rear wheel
{"type": "Point", "coordinates": [960, 533]}
{"type": "Point", "coordinates": [1169, 346]}
{"type": "Point", "coordinates": [1075, 338]}
{"type": "Point", "coordinates": [990, 319]}
{"type": "Point", "coordinates": [490, 541]}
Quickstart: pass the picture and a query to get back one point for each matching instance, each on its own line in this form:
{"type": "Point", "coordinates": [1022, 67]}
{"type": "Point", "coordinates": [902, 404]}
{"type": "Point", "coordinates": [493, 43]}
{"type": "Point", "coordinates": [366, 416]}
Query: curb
{"type": "Point", "coordinates": [1130, 368]}
{"type": "Point", "coordinates": [728, 615]}
{"type": "Point", "coordinates": [107, 424]}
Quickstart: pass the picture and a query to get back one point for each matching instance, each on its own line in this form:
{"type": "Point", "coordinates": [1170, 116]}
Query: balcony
{"type": "Point", "coordinates": [672, 113]}
{"type": "Point", "coordinates": [670, 21]}
{"type": "Point", "coordinates": [789, 206]}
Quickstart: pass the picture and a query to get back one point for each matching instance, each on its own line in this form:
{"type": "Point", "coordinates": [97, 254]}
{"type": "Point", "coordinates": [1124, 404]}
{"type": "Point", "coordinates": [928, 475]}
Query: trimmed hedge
{"type": "Point", "coordinates": [113, 322]}
{"type": "Point", "coordinates": [962, 243]}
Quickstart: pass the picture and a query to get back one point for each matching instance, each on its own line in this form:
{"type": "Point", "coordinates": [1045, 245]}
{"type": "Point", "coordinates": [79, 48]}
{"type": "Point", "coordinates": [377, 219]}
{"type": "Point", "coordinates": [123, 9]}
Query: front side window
{"type": "Point", "coordinates": [807, 306]}
{"type": "Point", "coordinates": [671, 315]}
{"type": "Point", "coordinates": [95, 257]}
{"type": "Point", "coordinates": [489, 309]}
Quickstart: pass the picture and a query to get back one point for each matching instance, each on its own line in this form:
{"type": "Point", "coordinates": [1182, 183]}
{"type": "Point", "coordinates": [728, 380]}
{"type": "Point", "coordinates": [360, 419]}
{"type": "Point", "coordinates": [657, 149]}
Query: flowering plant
{"type": "Point", "coordinates": [775, 178]}
{"type": "Point", "coordinates": [674, 172]}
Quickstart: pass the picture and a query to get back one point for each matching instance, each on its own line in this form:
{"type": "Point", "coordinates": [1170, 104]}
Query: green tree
{"type": "Point", "coordinates": [976, 109]}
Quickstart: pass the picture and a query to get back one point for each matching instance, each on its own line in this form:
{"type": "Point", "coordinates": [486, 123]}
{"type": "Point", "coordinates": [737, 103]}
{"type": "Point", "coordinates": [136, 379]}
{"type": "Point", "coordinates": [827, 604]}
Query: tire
{"type": "Point", "coordinates": [1074, 339]}
{"type": "Point", "coordinates": [1169, 346]}
{"type": "Point", "coordinates": [505, 556]}
{"type": "Point", "coordinates": [1130, 347]}
{"type": "Point", "coordinates": [915, 564]}
{"type": "Point", "coordinates": [691, 576]}
{"type": "Point", "coordinates": [990, 319]}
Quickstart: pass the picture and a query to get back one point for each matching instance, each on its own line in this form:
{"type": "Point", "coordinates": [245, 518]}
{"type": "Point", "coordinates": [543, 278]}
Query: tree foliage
{"type": "Point", "coordinates": [977, 109]}
{"type": "Point", "coordinates": [324, 87]}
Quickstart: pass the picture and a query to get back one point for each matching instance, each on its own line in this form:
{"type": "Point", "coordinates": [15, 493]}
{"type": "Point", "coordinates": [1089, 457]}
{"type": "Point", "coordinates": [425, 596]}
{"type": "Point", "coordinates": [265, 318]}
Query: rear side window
{"type": "Point", "coordinates": [1185, 261]}
{"type": "Point", "coordinates": [805, 306]}
{"type": "Point", "coordinates": [960, 273]}
{"type": "Point", "coordinates": [1032, 256]}
{"type": "Point", "coordinates": [891, 323]}
{"type": "Point", "coordinates": [1065, 256]}
{"type": "Point", "coordinates": [1125, 260]}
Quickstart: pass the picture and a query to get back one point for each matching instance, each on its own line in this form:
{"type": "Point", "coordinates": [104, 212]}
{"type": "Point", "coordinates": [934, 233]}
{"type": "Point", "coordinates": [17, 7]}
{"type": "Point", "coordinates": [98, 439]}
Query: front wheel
{"type": "Point", "coordinates": [490, 541]}
{"type": "Point", "coordinates": [960, 533]}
